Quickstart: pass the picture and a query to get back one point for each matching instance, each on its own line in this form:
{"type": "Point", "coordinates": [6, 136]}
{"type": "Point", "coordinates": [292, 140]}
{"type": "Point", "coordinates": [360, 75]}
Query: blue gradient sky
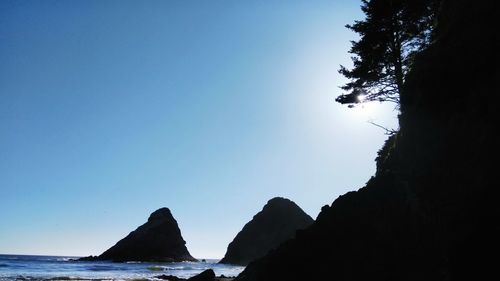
{"type": "Point", "coordinates": [112, 109]}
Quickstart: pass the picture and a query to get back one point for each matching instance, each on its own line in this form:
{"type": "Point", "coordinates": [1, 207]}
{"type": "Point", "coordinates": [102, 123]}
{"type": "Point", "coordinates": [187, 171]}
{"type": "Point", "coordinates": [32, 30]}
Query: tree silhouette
{"type": "Point", "coordinates": [392, 33]}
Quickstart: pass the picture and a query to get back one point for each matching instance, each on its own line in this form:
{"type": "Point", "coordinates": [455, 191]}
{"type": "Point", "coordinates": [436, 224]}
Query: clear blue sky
{"type": "Point", "coordinates": [110, 110]}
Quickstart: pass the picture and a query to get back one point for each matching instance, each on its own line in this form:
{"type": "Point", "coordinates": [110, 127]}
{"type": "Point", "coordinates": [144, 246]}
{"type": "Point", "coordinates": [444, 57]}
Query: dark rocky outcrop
{"type": "Point", "coordinates": [169, 277]}
{"type": "Point", "coordinates": [159, 239]}
{"type": "Point", "coordinates": [277, 222]}
{"type": "Point", "coordinates": [431, 210]}
{"type": "Point", "coordinates": [207, 275]}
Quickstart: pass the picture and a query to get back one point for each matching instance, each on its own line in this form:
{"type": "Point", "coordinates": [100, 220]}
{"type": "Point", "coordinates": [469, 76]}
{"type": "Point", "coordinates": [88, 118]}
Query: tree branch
{"type": "Point", "coordinates": [388, 132]}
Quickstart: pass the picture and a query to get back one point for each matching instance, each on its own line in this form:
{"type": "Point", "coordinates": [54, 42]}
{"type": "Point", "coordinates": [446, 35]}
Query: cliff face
{"type": "Point", "coordinates": [277, 222]}
{"type": "Point", "coordinates": [430, 212]}
{"type": "Point", "coordinates": [159, 239]}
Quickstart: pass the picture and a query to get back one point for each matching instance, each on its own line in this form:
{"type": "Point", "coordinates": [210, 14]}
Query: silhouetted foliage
{"type": "Point", "coordinates": [392, 33]}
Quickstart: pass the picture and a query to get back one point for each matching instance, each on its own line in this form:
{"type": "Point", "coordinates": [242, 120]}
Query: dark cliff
{"type": "Point", "coordinates": [159, 239]}
{"type": "Point", "coordinates": [431, 210]}
{"type": "Point", "coordinates": [277, 222]}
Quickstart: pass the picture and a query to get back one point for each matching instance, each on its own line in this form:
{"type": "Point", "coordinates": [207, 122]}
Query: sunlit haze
{"type": "Point", "coordinates": [112, 109]}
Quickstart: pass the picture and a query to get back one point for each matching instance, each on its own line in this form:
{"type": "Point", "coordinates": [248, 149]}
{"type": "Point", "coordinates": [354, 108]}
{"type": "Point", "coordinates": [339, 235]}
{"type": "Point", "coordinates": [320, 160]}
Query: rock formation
{"type": "Point", "coordinates": [277, 222]}
{"type": "Point", "coordinates": [159, 240]}
{"type": "Point", "coordinates": [206, 275]}
{"type": "Point", "coordinates": [431, 211]}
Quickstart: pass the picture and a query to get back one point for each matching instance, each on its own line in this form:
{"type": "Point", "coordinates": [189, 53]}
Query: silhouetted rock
{"type": "Point", "coordinates": [207, 275]}
{"type": "Point", "coordinates": [277, 222]}
{"type": "Point", "coordinates": [88, 258]}
{"type": "Point", "coordinates": [431, 211]}
{"type": "Point", "coordinates": [159, 239]}
{"type": "Point", "coordinates": [169, 277]}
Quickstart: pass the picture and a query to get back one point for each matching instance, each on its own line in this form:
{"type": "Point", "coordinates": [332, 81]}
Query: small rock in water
{"type": "Point", "coordinates": [169, 277]}
{"type": "Point", "coordinates": [207, 275]}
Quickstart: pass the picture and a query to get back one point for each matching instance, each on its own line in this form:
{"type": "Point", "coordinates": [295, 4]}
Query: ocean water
{"type": "Point", "coordinates": [35, 268]}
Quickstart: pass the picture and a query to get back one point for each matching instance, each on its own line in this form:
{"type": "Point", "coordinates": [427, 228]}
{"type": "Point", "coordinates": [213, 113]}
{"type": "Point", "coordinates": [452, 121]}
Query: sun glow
{"type": "Point", "coordinates": [365, 110]}
{"type": "Point", "coordinates": [361, 98]}
{"type": "Point", "coordinates": [375, 112]}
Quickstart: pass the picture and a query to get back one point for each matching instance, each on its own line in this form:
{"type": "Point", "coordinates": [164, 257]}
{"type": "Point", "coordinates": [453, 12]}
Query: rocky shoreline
{"type": "Point", "coordinates": [207, 275]}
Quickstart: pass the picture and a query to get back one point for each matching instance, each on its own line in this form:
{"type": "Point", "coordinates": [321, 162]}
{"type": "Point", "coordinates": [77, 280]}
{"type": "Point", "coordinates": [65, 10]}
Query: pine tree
{"type": "Point", "coordinates": [392, 33]}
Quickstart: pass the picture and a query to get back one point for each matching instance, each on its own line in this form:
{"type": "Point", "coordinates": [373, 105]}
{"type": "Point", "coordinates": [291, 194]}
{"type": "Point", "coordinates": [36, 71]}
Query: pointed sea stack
{"type": "Point", "coordinates": [277, 222]}
{"type": "Point", "coordinates": [158, 240]}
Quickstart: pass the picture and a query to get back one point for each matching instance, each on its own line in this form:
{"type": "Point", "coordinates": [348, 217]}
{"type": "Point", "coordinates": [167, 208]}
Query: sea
{"type": "Point", "coordinates": [45, 268]}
